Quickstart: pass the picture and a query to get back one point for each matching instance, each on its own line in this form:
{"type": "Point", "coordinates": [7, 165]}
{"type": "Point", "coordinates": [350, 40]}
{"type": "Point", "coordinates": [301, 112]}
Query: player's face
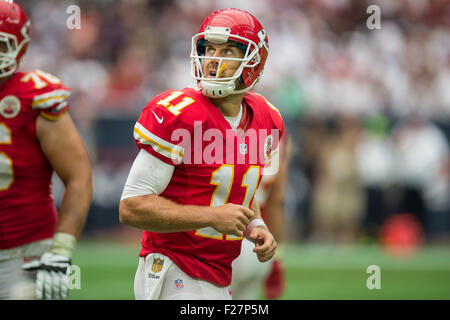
{"type": "Point", "coordinates": [3, 47]}
{"type": "Point", "coordinates": [227, 50]}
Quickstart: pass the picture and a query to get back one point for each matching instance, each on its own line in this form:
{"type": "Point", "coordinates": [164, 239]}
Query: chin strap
{"type": "Point", "coordinates": [221, 90]}
{"type": "Point", "coordinates": [214, 89]}
{"type": "Point", "coordinates": [8, 70]}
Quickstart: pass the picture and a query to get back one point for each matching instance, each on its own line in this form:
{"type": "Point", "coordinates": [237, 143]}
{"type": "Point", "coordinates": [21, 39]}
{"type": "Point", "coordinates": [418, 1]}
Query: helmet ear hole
{"type": "Point", "coordinates": [201, 44]}
{"type": "Point", "coordinates": [242, 47]}
{"type": "Point", "coordinates": [22, 52]}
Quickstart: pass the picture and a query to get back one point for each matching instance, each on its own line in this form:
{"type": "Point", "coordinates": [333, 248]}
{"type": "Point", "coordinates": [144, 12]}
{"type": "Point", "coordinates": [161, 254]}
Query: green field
{"type": "Point", "coordinates": [312, 272]}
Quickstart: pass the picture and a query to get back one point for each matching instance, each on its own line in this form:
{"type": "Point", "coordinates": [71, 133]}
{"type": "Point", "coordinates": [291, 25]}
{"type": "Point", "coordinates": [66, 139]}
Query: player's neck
{"type": "Point", "coordinates": [230, 105]}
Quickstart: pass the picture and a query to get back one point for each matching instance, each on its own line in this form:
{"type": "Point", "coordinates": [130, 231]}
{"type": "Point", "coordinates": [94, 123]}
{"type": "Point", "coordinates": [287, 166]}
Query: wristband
{"type": "Point", "coordinates": [253, 224]}
{"type": "Point", "coordinates": [63, 244]}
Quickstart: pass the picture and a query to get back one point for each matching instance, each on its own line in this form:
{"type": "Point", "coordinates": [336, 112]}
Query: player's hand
{"type": "Point", "coordinates": [52, 279]}
{"type": "Point", "coordinates": [231, 219]}
{"type": "Point", "coordinates": [265, 244]}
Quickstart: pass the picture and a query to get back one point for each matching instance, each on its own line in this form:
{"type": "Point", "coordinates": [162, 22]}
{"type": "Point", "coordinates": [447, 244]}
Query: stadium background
{"type": "Point", "coordinates": [367, 111]}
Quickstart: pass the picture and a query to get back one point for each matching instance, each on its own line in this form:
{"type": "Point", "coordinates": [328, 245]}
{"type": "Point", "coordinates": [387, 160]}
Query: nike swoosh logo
{"type": "Point", "coordinates": [160, 120]}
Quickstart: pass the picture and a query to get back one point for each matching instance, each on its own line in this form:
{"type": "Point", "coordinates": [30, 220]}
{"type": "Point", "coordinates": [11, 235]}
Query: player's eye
{"type": "Point", "coordinates": [210, 51]}
{"type": "Point", "coordinates": [3, 47]}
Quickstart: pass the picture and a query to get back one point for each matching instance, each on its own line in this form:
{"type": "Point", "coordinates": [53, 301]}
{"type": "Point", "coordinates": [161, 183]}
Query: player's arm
{"type": "Point", "coordinates": [257, 232]}
{"type": "Point", "coordinates": [64, 149]}
{"type": "Point", "coordinates": [274, 204]}
{"type": "Point", "coordinates": [141, 206]}
{"type": "Point", "coordinates": [157, 214]}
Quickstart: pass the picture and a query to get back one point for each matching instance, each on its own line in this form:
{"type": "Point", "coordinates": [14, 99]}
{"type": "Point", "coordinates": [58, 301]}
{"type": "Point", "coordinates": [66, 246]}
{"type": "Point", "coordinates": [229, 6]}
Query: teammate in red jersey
{"type": "Point", "coordinates": [202, 155]}
{"type": "Point", "coordinates": [37, 137]}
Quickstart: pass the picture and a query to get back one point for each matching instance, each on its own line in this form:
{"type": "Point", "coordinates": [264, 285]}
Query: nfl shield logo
{"type": "Point", "coordinates": [157, 265]}
{"type": "Point", "coordinates": [243, 149]}
{"type": "Point", "coordinates": [179, 284]}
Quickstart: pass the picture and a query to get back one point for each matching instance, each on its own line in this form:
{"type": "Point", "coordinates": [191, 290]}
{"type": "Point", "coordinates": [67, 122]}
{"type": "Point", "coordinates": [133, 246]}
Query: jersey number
{"type": "Point", "coordinates": [38, 76]}
{"type": "Point", "coordinates": [175, 109]}
{"type": "Point", "coordinates": [6, 166]}
{"type": "Point", "coordinates": [223, 178]}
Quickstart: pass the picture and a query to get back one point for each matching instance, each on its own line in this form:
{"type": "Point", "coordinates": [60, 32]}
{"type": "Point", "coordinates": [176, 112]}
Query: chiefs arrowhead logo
{"type": "Point", "coordinates": [268, 147]}
{"type": "Point", "coordinates": [9, 107]}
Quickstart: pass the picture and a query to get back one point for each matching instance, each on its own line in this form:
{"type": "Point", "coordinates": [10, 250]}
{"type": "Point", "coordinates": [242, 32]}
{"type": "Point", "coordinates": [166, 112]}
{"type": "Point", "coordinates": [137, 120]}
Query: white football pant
{"type": "Point", "coordinates": [248, 273]}
{"type": "Point", "coordinates": [16, 284]}
{"type": "Point", "coordinates": [166, 281]}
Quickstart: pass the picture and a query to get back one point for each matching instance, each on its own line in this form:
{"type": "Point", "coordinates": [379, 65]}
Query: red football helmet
{"type": "Point", "coordinates": [14, 36]}
{"type": "Point", "coordinates": [230, 25]}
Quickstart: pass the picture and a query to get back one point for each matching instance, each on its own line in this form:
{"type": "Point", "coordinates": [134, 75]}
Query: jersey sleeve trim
{"type": "Point", "coordinates": [167, 149]}
{"type": "Point", "coordinates": [49, 99]}
{"type": "Point", "coordinates": [50, 116]}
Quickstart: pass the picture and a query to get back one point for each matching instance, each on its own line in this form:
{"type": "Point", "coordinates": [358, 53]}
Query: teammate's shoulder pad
{"type": "Point", "coordinates": [44, 90]}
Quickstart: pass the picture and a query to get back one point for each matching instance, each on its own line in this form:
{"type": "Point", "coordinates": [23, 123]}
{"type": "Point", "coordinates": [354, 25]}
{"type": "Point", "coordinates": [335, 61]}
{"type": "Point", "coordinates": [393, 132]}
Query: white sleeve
{"type": "Point", "coordinates": [148, 175]}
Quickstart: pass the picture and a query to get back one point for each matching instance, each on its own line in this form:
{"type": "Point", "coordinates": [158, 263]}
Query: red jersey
{"type": "Point", "coordinates": [214, 165]}
{"type": "Point", "coordinates": [27, 210]}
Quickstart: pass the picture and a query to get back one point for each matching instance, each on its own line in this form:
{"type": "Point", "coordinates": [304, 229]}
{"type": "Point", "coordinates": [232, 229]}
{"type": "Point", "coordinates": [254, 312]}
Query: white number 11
{"type": "Point", "coordinates": [223, 179]}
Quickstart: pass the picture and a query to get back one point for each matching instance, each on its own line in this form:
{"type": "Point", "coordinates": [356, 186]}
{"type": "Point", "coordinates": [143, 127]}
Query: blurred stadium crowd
{"type": "Point", "coordinates": [367, 110]}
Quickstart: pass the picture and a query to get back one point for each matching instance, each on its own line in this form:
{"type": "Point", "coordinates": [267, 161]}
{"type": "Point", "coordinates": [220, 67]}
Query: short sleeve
{"type": "Point", "coordinates": [158, 131]}
{"type": "Point", "coordinates": [48, 95]}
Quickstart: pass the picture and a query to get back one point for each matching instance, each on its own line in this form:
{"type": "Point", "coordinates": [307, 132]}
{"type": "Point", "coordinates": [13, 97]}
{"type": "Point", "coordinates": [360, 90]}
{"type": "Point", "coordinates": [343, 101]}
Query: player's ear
{"type": "Point", "coordinates": [25, 50]}
{"type": "Point", "coordinates": [22, 54]}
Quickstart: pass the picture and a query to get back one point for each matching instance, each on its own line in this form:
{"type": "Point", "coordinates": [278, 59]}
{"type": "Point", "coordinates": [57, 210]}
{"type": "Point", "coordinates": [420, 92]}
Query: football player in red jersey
{"type": "Point", "coordinates": [202, 156]}
{"type": "Point", "coordinates": [37, 137]}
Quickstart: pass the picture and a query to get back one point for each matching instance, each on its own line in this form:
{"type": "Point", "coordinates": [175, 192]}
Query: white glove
{"type": "Point", "coordinates": [52, 279]}
{"type": "Point", "coordinates": [53, 268]}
